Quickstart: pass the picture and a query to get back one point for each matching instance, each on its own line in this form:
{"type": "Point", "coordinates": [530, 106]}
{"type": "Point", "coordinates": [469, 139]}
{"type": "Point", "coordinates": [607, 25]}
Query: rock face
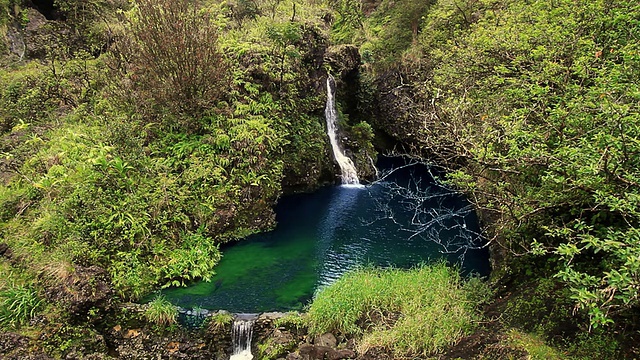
{"type": "Point", "coordinates": [342, 60]}
{"type": "Point", "coordinates": [36, 36]}
{"type": "Point", "coordinates": [81, 290]}
{"type": "Point", "coordinates": [17, 347]}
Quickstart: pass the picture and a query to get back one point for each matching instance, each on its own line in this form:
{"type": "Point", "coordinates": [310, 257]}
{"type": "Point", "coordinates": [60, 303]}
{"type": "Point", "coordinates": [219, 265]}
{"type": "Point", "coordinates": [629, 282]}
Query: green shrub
{"type": "Point", "coordinates": [412, 312]}
{"type": "Point", "coordinates": [18, 304]}
{"type": "Point", "coordinates": [161, 312]}
{"type": "Point", "coordinates": [174, 59]}
{"type": "Point", "coordinates": [220, 320]}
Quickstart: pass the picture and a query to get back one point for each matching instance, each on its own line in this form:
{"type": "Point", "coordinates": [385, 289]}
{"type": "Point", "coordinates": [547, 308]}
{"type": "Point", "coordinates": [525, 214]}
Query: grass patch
{"type": "Point", "coordinates": [534, 346]}
{"type": "Point", "coordinates": [410, 312]}
{"type": "Point", "coordinates": [292, 320]}
{"type": "Point", "coordinates": [161, 312]}
{"type": "Point", "coordinates": [19, 301]}
{"type": "Point", "coordinates": [18, 304]}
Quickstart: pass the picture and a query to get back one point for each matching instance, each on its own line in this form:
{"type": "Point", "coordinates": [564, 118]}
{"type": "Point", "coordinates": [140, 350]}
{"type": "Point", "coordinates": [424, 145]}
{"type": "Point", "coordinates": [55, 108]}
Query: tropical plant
{"type": "Point", "coordinates": [161, 312]}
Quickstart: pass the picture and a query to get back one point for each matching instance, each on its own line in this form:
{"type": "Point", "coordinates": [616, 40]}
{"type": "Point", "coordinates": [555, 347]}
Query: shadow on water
{"type": "Point", "coordinates": [401, 221]}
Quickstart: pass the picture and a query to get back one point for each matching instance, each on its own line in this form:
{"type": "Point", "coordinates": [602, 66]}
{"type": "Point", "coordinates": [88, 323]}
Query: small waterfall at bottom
{"type": "Point", "coordinates": [242, 333]}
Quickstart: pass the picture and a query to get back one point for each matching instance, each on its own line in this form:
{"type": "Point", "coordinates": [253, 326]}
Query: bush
{"type": "Point", "coordinates": [174, 57]}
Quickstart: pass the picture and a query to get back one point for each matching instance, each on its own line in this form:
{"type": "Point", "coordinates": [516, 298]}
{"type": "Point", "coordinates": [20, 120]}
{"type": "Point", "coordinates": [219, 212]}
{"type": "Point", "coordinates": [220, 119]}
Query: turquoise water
{"type": "Point", "coordinates": [319, 236]}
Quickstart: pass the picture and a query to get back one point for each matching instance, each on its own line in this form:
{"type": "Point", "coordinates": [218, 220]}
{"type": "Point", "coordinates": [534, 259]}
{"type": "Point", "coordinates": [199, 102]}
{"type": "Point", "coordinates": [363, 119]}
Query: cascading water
{"type": "Point", "coordinates": [348, 170]}
{"type": "Point", "coordinates": [242, 333]}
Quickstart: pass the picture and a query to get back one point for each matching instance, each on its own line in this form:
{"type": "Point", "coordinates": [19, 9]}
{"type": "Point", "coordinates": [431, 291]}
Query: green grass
{"type": "Point", "coordinates": [161, 312]}
{"type": "Point", "coordinates": [534, 346]}
{"type": "Point", "coordinates": [18, 304]}
{"type": "Point", "coordinates": [292, 320]}
{"type": "Point", "coordinates": [410, 312]}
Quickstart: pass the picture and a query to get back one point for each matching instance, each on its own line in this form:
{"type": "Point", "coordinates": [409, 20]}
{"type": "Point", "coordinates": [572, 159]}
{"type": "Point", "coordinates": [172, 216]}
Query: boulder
{"type": "Point", "coordinates": [327, 339]}
{"type": "Point", "coordinates": [341, 354]}
{"type": "Point", "coordinates": [313, 352]}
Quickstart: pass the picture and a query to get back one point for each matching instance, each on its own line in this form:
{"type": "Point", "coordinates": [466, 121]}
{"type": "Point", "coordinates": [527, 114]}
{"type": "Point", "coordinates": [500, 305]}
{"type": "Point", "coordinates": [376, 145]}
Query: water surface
{"type": "Point", "coordinates": [402, 221]}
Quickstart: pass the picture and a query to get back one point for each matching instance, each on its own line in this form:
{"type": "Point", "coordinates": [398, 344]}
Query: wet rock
{"type": "Point", "coordinates": [271, 316]}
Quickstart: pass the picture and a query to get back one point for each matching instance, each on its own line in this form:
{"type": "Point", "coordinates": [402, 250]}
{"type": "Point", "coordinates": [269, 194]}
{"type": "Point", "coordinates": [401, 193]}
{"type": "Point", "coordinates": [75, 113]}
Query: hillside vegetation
{"type": "Point", "coordinates": [142, 138]}
{"type": "Point", "coordinates": [138, 136]}
{"type": "Point", "coordinates": [533, 106]}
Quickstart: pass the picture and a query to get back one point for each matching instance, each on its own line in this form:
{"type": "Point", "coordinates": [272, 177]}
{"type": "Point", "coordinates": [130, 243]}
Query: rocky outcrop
{"type": "Point", "coordinates": [147, 344]}
{"type": "Point", "coordinates": [17, 347]}
{"type": "Point", "coordinates": [80, 290]}
{"type": "Point", "coordinates": [281, 336]}
{"type": "Point", "coordinates": [132, 337]}
{"type": "Point", "coordinates": [35, 36]}
{"type": "Point", "coordinates": [342, 60]}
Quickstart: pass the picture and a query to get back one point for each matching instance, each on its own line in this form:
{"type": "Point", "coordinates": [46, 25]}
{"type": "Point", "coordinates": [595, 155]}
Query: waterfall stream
{"type": "Point", "coordinates": [348, 170]}
{"type": "Point", "coordinates": [242, 333]}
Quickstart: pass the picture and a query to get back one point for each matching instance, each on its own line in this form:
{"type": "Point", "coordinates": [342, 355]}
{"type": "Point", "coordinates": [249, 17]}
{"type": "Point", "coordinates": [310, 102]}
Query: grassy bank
{"type": "Point", "coordinates": [413, 312]}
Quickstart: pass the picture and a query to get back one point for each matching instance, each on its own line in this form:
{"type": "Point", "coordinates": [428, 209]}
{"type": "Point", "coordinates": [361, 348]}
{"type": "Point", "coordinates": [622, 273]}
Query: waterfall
{"type": "Point", "coordinates": [242, 333]}
{"type": "Point", "coordinates": [349, 174]}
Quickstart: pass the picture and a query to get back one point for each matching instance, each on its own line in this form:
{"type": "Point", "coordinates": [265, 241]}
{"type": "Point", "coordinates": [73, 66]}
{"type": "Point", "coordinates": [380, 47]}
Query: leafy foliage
{"type": "Point", "coordinates": [539, 102]}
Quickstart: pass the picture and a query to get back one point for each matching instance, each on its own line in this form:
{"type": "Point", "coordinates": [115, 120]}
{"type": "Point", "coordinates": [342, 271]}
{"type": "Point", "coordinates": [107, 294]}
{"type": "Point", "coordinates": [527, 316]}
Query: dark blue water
{"type": "Point", "coordinates": [401, 221]}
